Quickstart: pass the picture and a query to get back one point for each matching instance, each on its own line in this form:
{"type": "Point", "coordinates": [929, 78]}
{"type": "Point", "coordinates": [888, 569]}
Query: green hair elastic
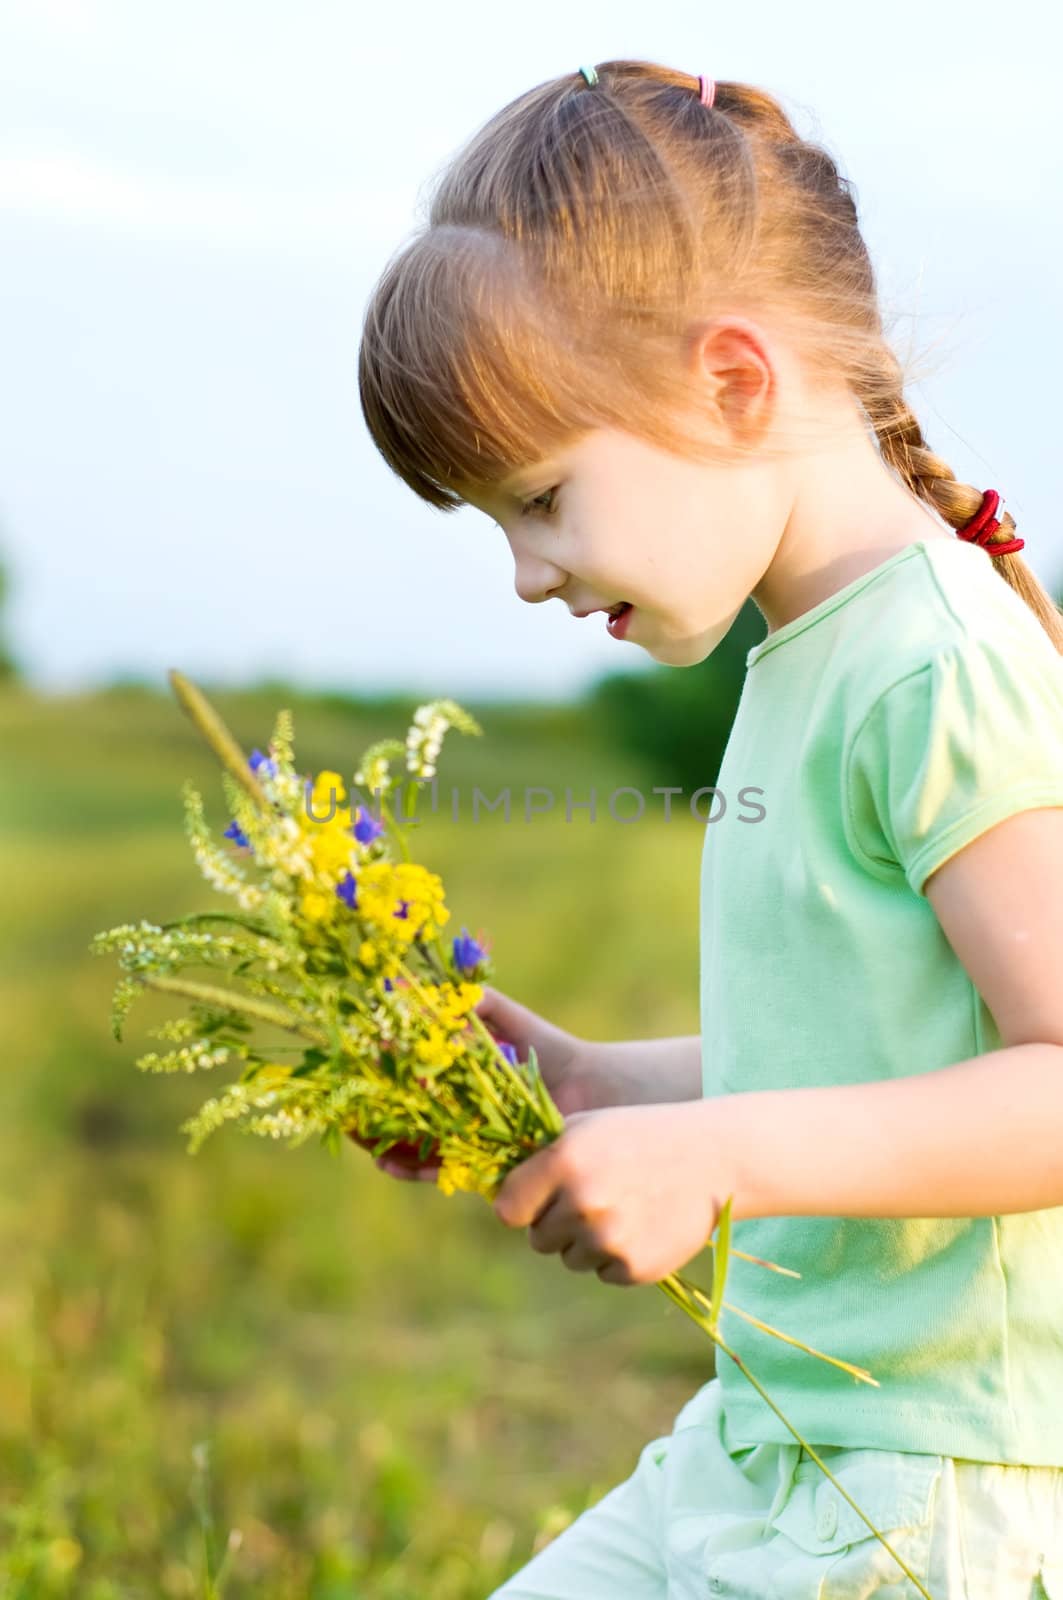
{"type": "Point", "coordinates": [590, 74]}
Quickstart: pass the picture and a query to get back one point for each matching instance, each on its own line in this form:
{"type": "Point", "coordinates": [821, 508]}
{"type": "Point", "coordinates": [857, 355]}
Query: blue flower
{"type": "Point", "coordinates": [348, 891]}
{"type": "Point", "coordinates": [403, 911]}
{"type": "Point", "coordinates": [237, 835]}
{"type": "Point", "coordinates": [257, 759]}
{"type": "Point", "coordinates": [468, 952]}
{"type": "Point", "coordinates": [388, 984]}
{"type": "Point", "coordinates": [366, 829]}
{"type": "Point", "coordinates": [509, 1051]}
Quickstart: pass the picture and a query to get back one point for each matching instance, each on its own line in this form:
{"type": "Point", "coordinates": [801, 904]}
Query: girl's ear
{"type": "Point", "coordinates": [733, 364]}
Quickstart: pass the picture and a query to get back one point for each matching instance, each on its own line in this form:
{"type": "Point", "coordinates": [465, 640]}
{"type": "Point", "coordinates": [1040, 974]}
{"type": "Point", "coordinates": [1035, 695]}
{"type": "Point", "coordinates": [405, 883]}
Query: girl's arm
{"type": "Point", "coordinates": [583, 1073]}
{"type": "Point", "coordinates": [982, 1137]}
{"type": "Point", "coordinates": [648, 1071]}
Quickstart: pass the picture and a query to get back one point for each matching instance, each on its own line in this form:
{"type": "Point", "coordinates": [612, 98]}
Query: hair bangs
{"type": "Point", "coordinates": [464, 374]}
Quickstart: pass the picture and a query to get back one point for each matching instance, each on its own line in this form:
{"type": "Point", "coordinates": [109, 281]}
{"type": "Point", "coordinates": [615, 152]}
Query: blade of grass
{"type": "Point", "coordinates": [196, 705]}
{"type": "Point", "coordinates": [721, 1258]}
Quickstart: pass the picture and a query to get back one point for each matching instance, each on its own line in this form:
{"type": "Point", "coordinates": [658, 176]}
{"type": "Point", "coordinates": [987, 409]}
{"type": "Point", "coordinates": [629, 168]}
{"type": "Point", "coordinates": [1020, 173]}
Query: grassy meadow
{"type": "Point", "coordinates": [356, 1387]}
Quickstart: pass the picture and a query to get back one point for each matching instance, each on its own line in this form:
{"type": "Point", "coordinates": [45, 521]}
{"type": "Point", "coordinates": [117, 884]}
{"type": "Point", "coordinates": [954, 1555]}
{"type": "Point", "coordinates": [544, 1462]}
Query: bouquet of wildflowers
{"type": "Point", "coordinates": [335, 944]}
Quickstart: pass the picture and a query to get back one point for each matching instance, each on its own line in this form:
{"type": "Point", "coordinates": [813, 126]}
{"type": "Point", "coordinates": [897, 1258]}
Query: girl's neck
{"type": "Point", "coordinates": [850, 513]}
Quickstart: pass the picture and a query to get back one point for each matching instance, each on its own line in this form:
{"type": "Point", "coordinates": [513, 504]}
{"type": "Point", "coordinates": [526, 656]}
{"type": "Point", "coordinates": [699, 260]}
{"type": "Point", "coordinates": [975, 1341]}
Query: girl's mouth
{"type": "Point", "coordinates": [617, 620]}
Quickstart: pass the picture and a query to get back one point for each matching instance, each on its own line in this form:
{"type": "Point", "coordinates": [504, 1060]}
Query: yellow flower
{"type": "Point", "coordinates": [455, 1175]}
{"type": "Point", "coordinates": [455, 1002]}
{"type": "Point", "coordinates": [436, 1050]}
{"type": "Point", "coordinates": [270, 1073]}
{"type": "Point", "coordinates": [404, 900]}
{"type": "Point", "coordinates": [324, 807]}
{"type": "Point", "coordinates": [331, 847]}
{"type": "Point", "coordinates": [316, 906]}
{"type": "Point", "coordinates": [326, 781]}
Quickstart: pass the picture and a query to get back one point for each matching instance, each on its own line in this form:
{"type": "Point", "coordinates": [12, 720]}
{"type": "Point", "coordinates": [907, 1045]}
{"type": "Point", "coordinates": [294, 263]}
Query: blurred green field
{"type": "Point", "coordinates": [382, 1390]}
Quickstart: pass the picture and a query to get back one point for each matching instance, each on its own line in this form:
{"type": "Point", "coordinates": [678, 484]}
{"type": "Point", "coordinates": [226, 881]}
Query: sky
{"type": "Point", "coordinates": [196, 201]}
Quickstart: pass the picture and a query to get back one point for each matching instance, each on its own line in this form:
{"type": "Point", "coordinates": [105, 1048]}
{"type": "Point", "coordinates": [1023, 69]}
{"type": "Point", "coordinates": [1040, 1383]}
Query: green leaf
{"type": "Point", "coordinates": [494, 1121]}
{"type": "Point", "coordinates": [312, 1059]}
{"type": "Point", "coordinates": [497, 1136]}
{"type": "Point", "coordinates": [720, 1258]}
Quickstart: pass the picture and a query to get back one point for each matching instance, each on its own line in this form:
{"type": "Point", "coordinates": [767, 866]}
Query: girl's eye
{"type": "Point", "coordinates": [546, 510]}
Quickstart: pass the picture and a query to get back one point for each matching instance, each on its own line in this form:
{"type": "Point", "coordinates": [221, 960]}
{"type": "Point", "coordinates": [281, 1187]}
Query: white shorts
{"type": "Point", "coordinates": [695, 1522]}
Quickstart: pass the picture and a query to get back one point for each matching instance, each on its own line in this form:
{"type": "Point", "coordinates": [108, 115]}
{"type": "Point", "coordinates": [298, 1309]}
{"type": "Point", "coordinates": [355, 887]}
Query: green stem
{"type": "Point", "coordinates": [823, 1467]}
{"type": "Point", "coordinates": [434, 958]}
{"type": "Point", "coordinates": [220, 916]}
{"type": "Point", "coordinates": [393, 828]}
{"type": "Point", "coordinates": [438, 965]}
{"type": "Point", "coordinates": [196, 705]}
{"type": "Point", "coordinates": [759, 1261]}
{"type": "Point", "coordinates": [226, 999]}
{"type": "Point", "coordinates": [516, 1078]}
{"type": "Point", "coordinates": [678, 1292]}
{"type": "Point", "coordinates": [835, 1361]}
{"type": "Point", "coordinates": [860, 1373]}
{"type": "Point", "coordinates": [410, 808]}
{"type": "Point", "coordinates": [485, 1083]}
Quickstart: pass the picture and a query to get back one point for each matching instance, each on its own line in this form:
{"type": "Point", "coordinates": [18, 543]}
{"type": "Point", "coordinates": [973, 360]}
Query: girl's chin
{"type": "Point", "coordinates": [699, 646]}
{"type": "Point", "coordinates": [685, 651]}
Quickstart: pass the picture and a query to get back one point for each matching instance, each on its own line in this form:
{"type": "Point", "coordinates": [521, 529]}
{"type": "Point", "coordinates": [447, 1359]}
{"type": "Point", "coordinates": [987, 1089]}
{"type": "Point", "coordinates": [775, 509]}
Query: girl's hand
{"type": "Point", "coordinates": [629, 1192]}
{"type": "Point", "coordinates": [570, 1067]}
{"type": "Point", "coordinates": [402, 1160]}
{"type": "Point", "coordinates": [573, 1069]}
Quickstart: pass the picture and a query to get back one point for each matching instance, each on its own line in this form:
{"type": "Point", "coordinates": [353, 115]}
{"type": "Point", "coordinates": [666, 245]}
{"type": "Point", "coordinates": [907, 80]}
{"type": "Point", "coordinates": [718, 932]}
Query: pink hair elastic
{"type": "Point", "coordinates": [707, 89]}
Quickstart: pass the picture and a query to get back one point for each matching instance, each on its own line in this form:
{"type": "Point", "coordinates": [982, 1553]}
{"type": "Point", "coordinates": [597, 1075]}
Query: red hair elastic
{"type": "Point", "coordinates": [983, 525]}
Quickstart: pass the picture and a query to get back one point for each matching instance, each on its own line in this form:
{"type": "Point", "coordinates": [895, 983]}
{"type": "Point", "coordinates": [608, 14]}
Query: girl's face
{"type": "Point", "coordinates": [614, 517]}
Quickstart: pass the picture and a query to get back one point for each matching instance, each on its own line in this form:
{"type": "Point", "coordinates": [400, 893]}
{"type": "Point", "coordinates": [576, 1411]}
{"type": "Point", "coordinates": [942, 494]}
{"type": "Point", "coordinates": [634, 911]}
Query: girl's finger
{"type": "Point", "coordinates": [393, 1169]}
{"type": "Point", "coordinates": [496, 1010]}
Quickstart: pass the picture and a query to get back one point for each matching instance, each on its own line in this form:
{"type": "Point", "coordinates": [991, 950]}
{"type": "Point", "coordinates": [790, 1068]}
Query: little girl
{"type": "Point", "coordinates": [640, 332]}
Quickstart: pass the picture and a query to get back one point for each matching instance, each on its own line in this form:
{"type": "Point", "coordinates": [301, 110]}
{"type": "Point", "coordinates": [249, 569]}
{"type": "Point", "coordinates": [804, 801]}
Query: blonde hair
{"type": "Point", "coordinates": [571, 245]}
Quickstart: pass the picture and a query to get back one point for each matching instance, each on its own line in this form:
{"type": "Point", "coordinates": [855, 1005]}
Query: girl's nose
{"type": "Point", "coordinates": [535, 579]}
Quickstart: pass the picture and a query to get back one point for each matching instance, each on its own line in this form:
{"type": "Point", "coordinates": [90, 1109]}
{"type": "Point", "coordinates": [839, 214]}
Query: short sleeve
{"type": "Point", "coordinates": [964, 741]}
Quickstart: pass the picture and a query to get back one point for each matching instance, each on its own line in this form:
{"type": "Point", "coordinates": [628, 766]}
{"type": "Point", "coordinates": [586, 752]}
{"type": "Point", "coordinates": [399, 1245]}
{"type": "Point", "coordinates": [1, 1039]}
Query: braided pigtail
{"type": "Point", "coordinates": [903, 447]}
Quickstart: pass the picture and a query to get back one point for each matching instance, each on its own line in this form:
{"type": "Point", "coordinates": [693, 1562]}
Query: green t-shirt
{"type": "Point", "coordinates": [880, 732]}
